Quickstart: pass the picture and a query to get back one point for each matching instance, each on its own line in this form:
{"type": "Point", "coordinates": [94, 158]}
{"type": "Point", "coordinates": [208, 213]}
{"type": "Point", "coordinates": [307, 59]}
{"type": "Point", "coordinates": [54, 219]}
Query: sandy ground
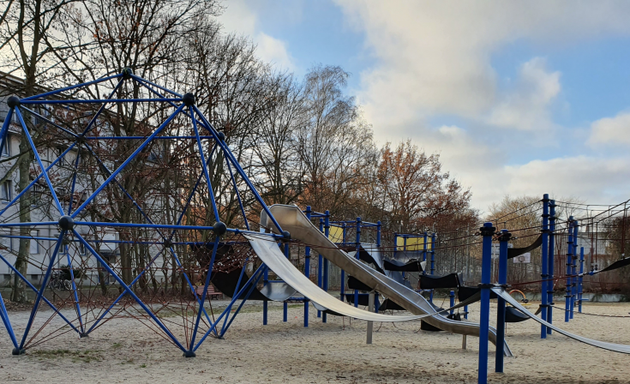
{"type": "Point", "coordinates": [125, 351]}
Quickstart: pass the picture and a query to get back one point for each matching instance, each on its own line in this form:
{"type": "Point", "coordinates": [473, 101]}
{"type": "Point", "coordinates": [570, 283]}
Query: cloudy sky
{"type": "Point", "coordinates": [518, 98]}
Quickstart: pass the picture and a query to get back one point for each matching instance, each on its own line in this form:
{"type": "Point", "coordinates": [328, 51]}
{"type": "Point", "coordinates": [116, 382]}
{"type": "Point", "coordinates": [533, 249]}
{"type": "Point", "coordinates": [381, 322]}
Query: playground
{"type": "Point", "coordinates": [127, 293]}
{"type": "Point", "coordinates": [334, 352]}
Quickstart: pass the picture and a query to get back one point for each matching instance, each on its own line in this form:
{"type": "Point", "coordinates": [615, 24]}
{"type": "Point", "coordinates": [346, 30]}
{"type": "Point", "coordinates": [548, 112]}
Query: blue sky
{"type": "Point", "coordinates": [518, 98]}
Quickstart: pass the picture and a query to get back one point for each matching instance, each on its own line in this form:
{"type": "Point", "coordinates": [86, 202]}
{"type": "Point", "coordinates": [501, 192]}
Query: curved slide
{"type": "Point", "coordinates": [621, 348]}
{"type": "Point", "coordinates": [293, 220]}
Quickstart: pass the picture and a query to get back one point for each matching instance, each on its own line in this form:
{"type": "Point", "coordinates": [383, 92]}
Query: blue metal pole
{"type": "Point", "coordinates": [98, 113]}
{"type": "Point", "coordinates": [52, 123]}
{"type": "Point", "coordinates": [503, 269]}
{"type": "Point", "coordinates": [265, 302]}
{"type": "Point", "coordinates": [452, 301]}
{"type": "Point", "coordinates": [32, 287]}
{"type": "Point", "coordinates": [285, 307]}
{"type": "Point", "coordinates": [190, 352]}
{"type": "Point", "coordinates": [57, 91]}
{"type": "Point", "coordinates": [75, 293]}
{"type": "Point", "coordinates": [326, 267]}
{"type": "Point", "coordinates": [16, 198]}
{"type": "Point", "coordinates": [574, 268]}
{"type": "Point", "coordinates": [343, 273]}
{"type": "Point", "coordinates": [129, 291]}
{"type": "Point", "coordinates": [244, 177]}
{"type": "Point", "coordinates": [7, 324]}
{"type": "Point", "coordinates": [550, 269]}
{"type": "Point", "coordinates": [146, 83]}
{"type": "Point", "coordinates": [424, 249]}
{"type": "Point", "coordinates": [205, 166]}
{"type": "Point", "coordinates": [567, 295]}
{"type": "Point", "coordinates": [39, 162]}
{"type": "Point", "coordinates": [40, 293]}
{"type": "Point", "coordinates": [433, 236]}
{"type": "Point", "coordinates": [238, 284]}
{"type": "Point", "coordinates": [545, 264]}
{"type": "Point", "coordinates": [487, 231]}
{"type": "Point", "coordinates": [124, 164]}
{"type": "Point", "coordinates": [97, 101]}
{"type": "Point", "coordinates": [238, 194]}
{"type": "Point", "coordinates": [247, 290]}
{"type": "Point", "coordinates": [357, 256]}
{"type": "Point", "coordinates": [320, 262]}
{"type": "Point", "coordinates": [307, 268]}
{"type": "Point", "coordinates": [5, 129]}
{"type": "Point", "coordinates": [580, 287]}
{"type": "Point", "coordinates": [378, 245]}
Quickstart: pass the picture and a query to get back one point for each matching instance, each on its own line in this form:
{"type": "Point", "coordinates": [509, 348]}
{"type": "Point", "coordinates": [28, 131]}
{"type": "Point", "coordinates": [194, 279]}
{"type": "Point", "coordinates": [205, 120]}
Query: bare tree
{"type": "Point", "coordinates": [24, 27]}
{"type": "Point", "coordinates": [335, 144]}
{"type": "Point", "coordinates": [276, 155]}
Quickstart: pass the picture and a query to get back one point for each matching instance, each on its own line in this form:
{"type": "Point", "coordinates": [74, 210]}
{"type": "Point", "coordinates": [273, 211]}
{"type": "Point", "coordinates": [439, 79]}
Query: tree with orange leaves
{"type": "Point", "coordinates": [417, 193]}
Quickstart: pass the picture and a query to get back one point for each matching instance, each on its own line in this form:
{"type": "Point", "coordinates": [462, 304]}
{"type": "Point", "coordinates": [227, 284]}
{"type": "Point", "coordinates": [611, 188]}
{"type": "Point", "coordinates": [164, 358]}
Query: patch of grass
{"type": "Point", "coordinates": [77, 356]}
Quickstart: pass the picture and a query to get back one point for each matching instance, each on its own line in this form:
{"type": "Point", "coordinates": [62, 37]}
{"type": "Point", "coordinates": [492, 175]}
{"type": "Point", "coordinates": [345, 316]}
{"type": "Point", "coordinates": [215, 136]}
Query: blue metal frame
{"type": "Point", "coordinates": [307, 268]}
{"type": "Point", "coordinates": [4, 315]}
{"type": "Point", "coordinates": [34, 289]}
{"type": "Point", "coordinates": [357, 256]}
{"type": "Point", "coordinates": [326, 266]}
{"type": "Point", "coordinates": [580, 278]}
{"type": "Point", "coordinates": [487, 231]}
{"type": "Point", "coordinates": [567, 295]}
{"type": "Point", "coordinates": [40, 292]}
{"type": "Point", "coordinates": [545, 265]}
{"type": "Point", "coordinates": [179, 104]}
{"type": "Point", "coordinates": [574, 258]}
{"type": "Point", "coordinates": [551, 266]}
{"type": "Point", "coordinates": [503, 269]}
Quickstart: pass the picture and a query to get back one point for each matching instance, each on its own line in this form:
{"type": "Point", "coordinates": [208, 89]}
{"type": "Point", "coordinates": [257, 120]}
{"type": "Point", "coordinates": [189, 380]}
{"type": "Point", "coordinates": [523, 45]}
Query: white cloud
{"type": "Point", "coordinates": [526, 107]}
{"type": "Point", "coordinates": [435, 57]}
{"type": "Point", "coordinates": [615, 130]}
{"type": "Point", "coordinates": [433, 60]}
{"type": "Point", "coordinates": [596, 180]}
{"type": "Point", "coordinates": [470, 161]}
{"type": "Point", "coordinates": [274, 51]}
{"type": "Point", "coordinates": [240, 17]}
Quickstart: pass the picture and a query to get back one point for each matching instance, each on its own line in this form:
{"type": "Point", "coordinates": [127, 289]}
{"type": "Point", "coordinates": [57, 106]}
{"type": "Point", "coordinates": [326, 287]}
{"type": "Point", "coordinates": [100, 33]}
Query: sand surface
{"type": "Point", "coordinates": [126, 351]}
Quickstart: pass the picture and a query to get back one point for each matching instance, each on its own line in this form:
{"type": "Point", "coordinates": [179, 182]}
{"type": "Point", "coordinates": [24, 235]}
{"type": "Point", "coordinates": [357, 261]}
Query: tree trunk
{"type": "Point", "coordinates": [18, 293]}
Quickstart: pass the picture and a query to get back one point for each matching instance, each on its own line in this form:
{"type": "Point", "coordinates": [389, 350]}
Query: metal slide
{"type": "Point", "coordinates": [269, 252]}
{"type": "Point", "coordinates": [621, 348]}
{"type": "Point", "coordinates": [293, 220]}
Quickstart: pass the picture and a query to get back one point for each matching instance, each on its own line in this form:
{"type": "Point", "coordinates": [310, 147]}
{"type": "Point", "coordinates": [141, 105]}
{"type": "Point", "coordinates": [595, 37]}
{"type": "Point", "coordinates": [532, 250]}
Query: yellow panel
{"type": "Point", "coordinates": [335, 234]}
{"type": "Point", "coordinates": [413, 243]}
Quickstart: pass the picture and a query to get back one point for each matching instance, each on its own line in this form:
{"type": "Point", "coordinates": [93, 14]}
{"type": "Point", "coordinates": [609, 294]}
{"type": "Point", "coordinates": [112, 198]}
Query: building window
{"type": "Point", "coordinates": [34, 243]}
{"type": "Point", "coordinates": [6, 189]}
{"type": "Point", "coordinates": [6, 148]}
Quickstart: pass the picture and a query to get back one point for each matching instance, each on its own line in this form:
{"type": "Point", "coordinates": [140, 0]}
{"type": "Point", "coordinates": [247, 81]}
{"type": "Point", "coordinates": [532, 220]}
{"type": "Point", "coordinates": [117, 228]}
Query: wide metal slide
{"type": "Point", "coordinates": [300, 227]}
{"type": "Point", "coordinates": [621, 348]}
